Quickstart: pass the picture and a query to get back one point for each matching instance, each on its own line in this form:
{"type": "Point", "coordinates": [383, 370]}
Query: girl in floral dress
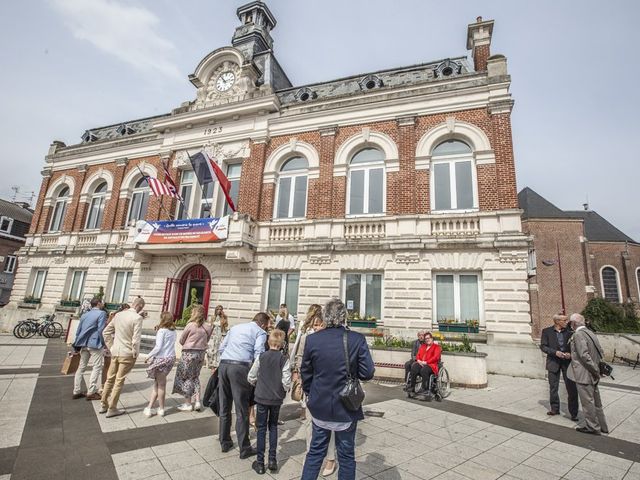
{"type": "Point", "coordinates": [220, 329]}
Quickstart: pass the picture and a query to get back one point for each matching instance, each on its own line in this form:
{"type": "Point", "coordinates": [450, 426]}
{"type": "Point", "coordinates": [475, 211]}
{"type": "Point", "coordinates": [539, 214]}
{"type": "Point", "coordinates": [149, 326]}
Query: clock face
{"type": "Point", "coordinates": [225, 81]}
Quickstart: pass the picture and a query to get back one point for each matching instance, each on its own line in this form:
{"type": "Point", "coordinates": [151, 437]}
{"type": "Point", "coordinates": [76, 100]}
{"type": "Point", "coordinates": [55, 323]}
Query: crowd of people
{"type": "Point", "coordinates": [254, 369]}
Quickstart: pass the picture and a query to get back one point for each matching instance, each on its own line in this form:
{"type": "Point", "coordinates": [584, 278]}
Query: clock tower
{"type": "Point", "coordinates": [253, 36]}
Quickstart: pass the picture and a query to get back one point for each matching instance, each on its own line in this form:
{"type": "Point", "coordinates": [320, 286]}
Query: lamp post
{"type": "Point", "coordinates": [548, 263]}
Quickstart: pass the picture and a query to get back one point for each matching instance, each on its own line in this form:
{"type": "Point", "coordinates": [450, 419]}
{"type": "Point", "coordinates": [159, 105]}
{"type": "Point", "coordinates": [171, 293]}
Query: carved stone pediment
{"type": "Point", "coordinates": [228, 82]}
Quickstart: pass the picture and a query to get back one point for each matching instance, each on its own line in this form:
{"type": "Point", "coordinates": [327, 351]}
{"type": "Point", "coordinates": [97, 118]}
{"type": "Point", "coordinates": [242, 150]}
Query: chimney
{"type": "Point", "coordinates": [479, 41]}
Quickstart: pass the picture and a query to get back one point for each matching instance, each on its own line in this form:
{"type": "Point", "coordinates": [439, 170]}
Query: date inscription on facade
{"type": "Point", "coordinates": [212, 131]}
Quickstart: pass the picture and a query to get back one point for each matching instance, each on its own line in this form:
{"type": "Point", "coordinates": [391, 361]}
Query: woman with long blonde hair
{"type": "Point", "coordinates": [220, 324]}
{"type": "Point", "coordinates": [194, 340]}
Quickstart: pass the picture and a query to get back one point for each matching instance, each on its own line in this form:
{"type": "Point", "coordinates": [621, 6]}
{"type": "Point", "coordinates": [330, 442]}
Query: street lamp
{"type": "Point", "coordinates": [549, 263]}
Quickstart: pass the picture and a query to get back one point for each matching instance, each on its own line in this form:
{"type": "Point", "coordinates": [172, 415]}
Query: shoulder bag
{"type": "Point", "coordinates": [605, 369]}
{"type": "Point", "coordinates": [352, 394]}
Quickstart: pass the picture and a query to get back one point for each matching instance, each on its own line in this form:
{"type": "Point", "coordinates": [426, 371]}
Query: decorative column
{"type": "Point", "coordinates": [114, 201]}
{"type": "Point", "coordinates": [41, 212]}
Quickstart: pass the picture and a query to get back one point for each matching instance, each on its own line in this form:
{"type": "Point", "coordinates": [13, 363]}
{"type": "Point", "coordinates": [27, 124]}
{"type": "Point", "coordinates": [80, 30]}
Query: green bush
{"type": "Point", "coordinates": [186, 313]}
{"type": "Point", "coordinates": [605, 316]}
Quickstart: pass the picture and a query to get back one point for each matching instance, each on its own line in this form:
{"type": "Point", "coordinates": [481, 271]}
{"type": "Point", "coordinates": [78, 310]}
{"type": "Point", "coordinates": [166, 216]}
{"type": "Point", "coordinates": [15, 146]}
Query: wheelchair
{"type": "Point", "coordinates": [439, 386]}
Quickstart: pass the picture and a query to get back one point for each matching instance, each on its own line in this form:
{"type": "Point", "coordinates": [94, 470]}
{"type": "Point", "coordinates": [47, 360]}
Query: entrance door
{"type": "Point", "coordinates": [177, 294]}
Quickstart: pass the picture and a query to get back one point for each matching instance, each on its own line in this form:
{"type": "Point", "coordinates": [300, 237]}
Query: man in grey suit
{"type": "Point", "coordinates": [584, 370]}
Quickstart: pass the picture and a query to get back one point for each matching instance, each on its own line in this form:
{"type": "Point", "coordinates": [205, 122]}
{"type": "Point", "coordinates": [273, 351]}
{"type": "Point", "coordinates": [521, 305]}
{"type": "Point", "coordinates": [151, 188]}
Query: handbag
{"type": "Point", "coordinates": [605, 369]}
{"type": "Point", "coordinates": [296, 390]}
{"type": "Point", "coordinates": [352, 394]}
{"type": "Point", "coordinates": [71, 363]}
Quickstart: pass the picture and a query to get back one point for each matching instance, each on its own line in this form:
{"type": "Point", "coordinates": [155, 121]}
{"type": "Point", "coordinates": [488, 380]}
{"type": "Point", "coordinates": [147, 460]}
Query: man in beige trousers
{"type": "Point", "coordinates": [584, 370]}
{"type": "Point", "coordinates": [122, 337]}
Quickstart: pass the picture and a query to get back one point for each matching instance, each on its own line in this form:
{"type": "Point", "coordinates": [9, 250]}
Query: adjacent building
{"type": "Point", "coordinates": [394, 190]}
{"type": "Point", "coordinates": [576, 255]}
{"type": "Point", "coordinates": [15, 219]}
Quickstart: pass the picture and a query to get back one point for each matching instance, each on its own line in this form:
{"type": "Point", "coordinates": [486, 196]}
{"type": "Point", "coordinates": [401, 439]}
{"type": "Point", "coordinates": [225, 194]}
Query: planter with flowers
{"type": "Point", "coordinates": [451, 325]}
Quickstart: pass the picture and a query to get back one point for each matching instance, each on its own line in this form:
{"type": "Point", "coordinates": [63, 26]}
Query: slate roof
{"type": "Point", "coordinates": [18, 213]}
{"type": "Point", "coordinates": [596, 228]}
{"type": "Point", "coordinates": [536, 206]}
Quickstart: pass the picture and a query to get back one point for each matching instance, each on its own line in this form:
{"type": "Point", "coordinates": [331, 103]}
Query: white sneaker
{"type": "Point", "coordinates": [161, 412]}
{"type": "Point", "coordinates": [197, 407]}
{"type": "Point", "coordinates": [148, 412]}
{"type": "Point", "coordinates": [185, 407]}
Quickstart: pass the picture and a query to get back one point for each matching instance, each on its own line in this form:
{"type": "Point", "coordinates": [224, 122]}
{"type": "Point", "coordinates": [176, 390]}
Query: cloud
{"type": "Point", "coordinates": [124, 31]}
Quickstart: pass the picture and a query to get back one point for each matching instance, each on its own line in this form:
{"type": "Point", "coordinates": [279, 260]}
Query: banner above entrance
{"type": "Point", "coordinates": [196, 230]}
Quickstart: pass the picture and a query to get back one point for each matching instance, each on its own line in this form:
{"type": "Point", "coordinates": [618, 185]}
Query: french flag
{"type": "Point", "coordinates": [206, 170]}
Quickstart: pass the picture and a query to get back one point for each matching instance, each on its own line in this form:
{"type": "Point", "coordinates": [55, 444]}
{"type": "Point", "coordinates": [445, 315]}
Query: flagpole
{"type": "Point", "coordinates": [179, 197]}
{"type": "Point", "coordinates": [202, 188]}
{"type": "Point", "coordinates": [146, 178]}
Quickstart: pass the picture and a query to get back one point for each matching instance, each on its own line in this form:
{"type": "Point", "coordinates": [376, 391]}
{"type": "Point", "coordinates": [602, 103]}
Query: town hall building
{"type": "Point", "coordinates": [394, 190]}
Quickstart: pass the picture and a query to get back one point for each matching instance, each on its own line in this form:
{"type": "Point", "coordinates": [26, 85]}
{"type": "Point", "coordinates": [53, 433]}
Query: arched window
{"type": "Point", "coordinates": [96, 207]}
{"type": "Point", "coordinates": [453, 184]}
{"type": "Point", "coordinates": [139, 202]}
{"type": "Point", "coordinates": [291, 200]}
{"type": "Point", "coordinates": [610, 287]}
{"type": "Point", "coordinates": [57, 219]}
{"type": "Point", "coordinates": [366, 182]}
{"type": "Point", "coordinates": [638, 281]}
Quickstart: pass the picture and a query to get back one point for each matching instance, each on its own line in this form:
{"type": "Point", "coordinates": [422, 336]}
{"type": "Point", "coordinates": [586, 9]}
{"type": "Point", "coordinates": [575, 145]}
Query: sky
{"type": "Point", "coordinates": [71, 65]}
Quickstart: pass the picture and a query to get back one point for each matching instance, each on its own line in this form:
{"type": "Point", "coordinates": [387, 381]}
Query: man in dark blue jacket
{"type": "Point", "coordinates": [324, 375]}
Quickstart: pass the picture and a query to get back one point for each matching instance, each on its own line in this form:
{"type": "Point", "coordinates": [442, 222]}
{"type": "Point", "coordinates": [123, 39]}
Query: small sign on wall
{"type": "Point", "coordinates": [349, 304]}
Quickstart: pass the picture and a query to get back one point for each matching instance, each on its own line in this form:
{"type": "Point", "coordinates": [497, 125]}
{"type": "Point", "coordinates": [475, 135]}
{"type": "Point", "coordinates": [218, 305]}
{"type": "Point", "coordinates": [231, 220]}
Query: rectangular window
{"type": "Point", "coordinates": [37, 287]}
{"type": "Point", "coordinates": [531, 262]}
{"type": "Point", "coordinates": [457, 297]}
{"type": "Point", "coordinates": [363, 295]}
{"type": "Point", "coordinates": [283, 288]}
{"type": "Point", "coordinates": [453, 185]}
{"type": "Point", "coordinates": [284, 195]}
{"type": "Point", "coordinates": [464, 190]}
{"type": "Point", "coordinates": [5, 224]}
{"type": "Point", "coordinates": [206, 201]}
{"type": "Point", "coordinates": [442, 186]}
{"type": "Point", "coordinates": [356, 194]}
{"type": "Point", "coordinates": [300, 197]}
{"type": "Point", "coordinates": [10, 264]}
{"type": "Point", "coordinates": [186, 186]}
{"type": "Point", "coordinates": [94, 219]}
{"type": "Point", "coordinates": [58, 216]}
{"type": "Point", "coordinates": [121, 285]}
{"type": "Point", "coordinates": [76, 286]}
{"type": "Point", "coordinates": [234, 171]}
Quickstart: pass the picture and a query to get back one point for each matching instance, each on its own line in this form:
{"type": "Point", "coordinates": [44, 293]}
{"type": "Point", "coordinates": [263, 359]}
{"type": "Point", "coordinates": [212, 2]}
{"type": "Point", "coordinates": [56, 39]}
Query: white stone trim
{"type": "Point", "coordinates": [128, 182]}
{"type": "Point", "coordinates": [56, 186]}
{"type": "Point", "coordinates": [93, 181]}
{"type": "Point", "coordinates": [283, 153]}
{"type": "Point", "coordinates": [209, 63]}
{"type": "Point", "coordinates": [452, 128]}
{"type": "Point", "coordinates": [618, 285]}
{"type": "Point", "coordinates": [637, 272]}
{"type": "Point", "coordinates": [366, 139]}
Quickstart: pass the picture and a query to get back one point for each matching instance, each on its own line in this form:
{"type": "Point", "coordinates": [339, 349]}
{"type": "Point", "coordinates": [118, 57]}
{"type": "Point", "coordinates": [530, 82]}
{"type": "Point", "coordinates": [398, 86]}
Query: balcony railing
{"type": "Point", "coordinates": [246, 236]}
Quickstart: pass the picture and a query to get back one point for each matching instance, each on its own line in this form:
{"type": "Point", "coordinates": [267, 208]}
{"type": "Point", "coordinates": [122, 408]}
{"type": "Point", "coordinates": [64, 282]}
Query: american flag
{"type": "Point", "coordinates": [158, 188]}
{"type": "Point", "coordinates": [167, 187]}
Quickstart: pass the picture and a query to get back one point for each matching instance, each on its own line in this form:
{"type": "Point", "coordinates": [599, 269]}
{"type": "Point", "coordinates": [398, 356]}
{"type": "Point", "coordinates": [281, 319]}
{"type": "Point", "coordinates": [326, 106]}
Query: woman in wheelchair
{"type": "Point", "coordinates": [426, 364]}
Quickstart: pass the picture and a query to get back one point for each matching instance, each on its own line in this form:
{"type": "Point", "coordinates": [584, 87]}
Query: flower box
{"type": "Point", "coordinates": [69, 303]}
{"type": "Point", "coordinates": [457, 327]}
{"type": "Point", "coordinates": [33, 301]}
{"type": "Point", "coordinates": [112, 306]}
{"type": "Point", "coordinates": [362, 323]}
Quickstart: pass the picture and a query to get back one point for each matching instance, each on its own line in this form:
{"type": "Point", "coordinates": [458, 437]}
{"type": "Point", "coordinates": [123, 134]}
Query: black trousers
{"type": "Point", "coordinates": [407, 368]}
{"type": "Point", "coordinates": [234, 387]}
{"type": "Point", "coordinates": [425, 372]}
{"type": "Point", "coordinates": [572, 391]}
{"type": "Point", "coordinates": [267, 418]}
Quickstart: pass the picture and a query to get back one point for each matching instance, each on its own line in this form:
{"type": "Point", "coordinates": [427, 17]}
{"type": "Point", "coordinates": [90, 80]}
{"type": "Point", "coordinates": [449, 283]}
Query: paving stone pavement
{"type": "Point", "coordinates": [499, 432]}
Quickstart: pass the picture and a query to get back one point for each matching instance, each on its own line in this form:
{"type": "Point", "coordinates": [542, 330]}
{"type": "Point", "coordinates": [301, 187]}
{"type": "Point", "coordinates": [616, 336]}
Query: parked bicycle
{"type": "Point", "coordinates": [44, 326]}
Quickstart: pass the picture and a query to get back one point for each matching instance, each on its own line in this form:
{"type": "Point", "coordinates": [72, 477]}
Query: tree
{"type": "Point", "coordinates": [186, 313]}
